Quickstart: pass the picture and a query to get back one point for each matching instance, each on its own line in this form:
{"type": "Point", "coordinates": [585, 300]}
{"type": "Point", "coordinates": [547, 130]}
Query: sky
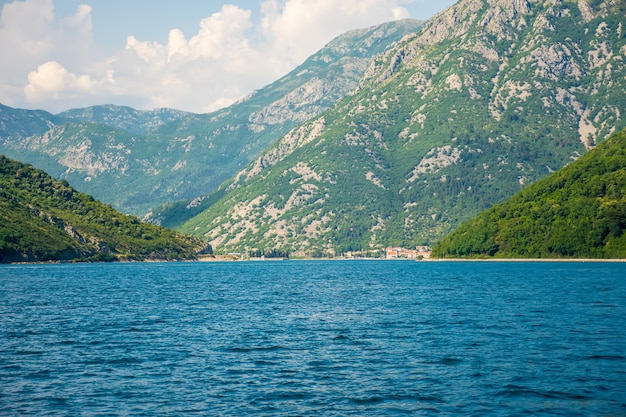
{"type": "Point", "coordinates": [192, 55]}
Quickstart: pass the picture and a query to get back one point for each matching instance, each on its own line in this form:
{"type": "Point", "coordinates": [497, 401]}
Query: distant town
{"type": "Point", "coordinates": [420, 252]}
{"type": "Point", "coordinates": [395, 252]}
{"type": "Point", "coordinates": [392, 252]}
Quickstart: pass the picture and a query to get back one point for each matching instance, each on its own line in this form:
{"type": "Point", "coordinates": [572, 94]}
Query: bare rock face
{"type": "Point", "coordinates": [300, 104]}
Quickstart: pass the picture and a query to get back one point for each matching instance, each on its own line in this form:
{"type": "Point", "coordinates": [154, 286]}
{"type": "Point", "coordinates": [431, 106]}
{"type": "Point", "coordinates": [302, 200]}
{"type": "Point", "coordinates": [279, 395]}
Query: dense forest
{"type": "Point", "coordinates": [577, 212]}
{"type": "Point", "coordinates": [42, 219]}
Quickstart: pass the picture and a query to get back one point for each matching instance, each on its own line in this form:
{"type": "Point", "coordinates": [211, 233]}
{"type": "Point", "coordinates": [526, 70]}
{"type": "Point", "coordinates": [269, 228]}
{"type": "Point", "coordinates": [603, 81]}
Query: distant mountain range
{"type": "Point", "coordinates": [138, 160]}
{"type": "Point", "coordinates": [42, 219]}
{"type": "Point", "coordinates": [379, 139]}
{"type": "Point", "coordinates": [577, 212]}
{"type": "Point", "coordinates": [488, 97]}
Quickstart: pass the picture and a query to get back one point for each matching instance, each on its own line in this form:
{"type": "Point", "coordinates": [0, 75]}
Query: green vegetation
{"type": "Point", "coordinates": [438, 132]}
{"type": "Point", "coordinates": [42, 219]}
{"type": "Point", "coordinates": [577, 212]}
{"type": "Point", "coordinates": [443, 124]}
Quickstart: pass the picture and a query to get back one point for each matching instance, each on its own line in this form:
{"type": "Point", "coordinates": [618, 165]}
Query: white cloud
{"type": "Point", "coordinates": [222, 35]}
{"type": "Point", "coordinates": [31, 37]}
{"type": "Point", "coordinates": [298, 28]}
{"type": "Point", "coordinates": [50, 63]}
{"type": "Point", "coordinates": [146, 51]}
{"type": "Point", "coordinates": [51, 79]}
{"type": "Point", "coordinates": [176, 44]}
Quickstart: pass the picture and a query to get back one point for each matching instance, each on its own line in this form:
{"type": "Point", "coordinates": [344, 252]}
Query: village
{"type": "Point", "coordinates": [392, 252]}
{"type": "Point", "coordinates": [395, 252]}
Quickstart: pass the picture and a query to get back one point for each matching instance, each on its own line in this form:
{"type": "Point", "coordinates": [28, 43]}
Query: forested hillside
{"type": "Point", "coordinates": [577, 212]}
{"type": "Point", "coordinates": [42, 219]}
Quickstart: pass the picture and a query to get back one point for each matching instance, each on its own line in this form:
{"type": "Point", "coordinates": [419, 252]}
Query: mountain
{"type": "Point", "coordinates": [488, 97]}
{"type": "Point", "coordinates": [125, 118]}
{"type": "Point", "coordinates": [42, 219]}
{"type": "Point", "coordinates": [137, 160]}
{"type": "Point", "coordinates": [579, 212]}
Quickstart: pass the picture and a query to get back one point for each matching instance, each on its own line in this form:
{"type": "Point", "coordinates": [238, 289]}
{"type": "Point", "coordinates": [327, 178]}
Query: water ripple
{"type": "Point", "coordinates": [313, 338]}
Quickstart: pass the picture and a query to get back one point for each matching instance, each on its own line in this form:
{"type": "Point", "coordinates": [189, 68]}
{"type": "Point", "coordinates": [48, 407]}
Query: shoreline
{"type": "Point", "coordinates": [581, 260]}
{"type": "Point", "coordinates": [522, 260]}
{"type": "Point", "coordinates": [229, 259]}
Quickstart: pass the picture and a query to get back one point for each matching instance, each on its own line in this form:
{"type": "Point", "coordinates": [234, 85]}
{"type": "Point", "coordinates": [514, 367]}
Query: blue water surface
{"type": "Point", "coordinates": [313, 338]}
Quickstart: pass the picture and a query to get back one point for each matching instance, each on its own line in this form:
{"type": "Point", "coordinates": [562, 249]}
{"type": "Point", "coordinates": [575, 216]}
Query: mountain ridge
{"type": "Point", "coordinates": [125, 118]}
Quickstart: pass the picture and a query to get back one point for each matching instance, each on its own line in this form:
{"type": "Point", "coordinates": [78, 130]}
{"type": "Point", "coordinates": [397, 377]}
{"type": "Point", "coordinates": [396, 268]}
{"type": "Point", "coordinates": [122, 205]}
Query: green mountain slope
{"type": "Point", "coordinates": [138, 160]}
{"type": "Point", "coordinates": [43, 219]}
{"type": "Point", "coordinates": [488, 97]}
{"type": "Point", "coordinates": [579, 211]}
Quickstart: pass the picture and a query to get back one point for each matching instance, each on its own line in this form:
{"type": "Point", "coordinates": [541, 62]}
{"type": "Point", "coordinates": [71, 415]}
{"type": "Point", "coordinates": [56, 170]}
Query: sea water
{"type": "Point", "coordinates": [313, 338]}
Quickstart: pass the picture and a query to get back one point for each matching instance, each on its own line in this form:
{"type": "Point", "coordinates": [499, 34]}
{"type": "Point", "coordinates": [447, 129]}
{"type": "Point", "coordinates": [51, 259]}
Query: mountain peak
{"type": "Point", "coordinates": [500, 18]}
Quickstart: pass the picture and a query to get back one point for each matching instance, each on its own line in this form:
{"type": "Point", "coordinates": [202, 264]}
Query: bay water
{"type": "Point", "coordinates": [304, 338]}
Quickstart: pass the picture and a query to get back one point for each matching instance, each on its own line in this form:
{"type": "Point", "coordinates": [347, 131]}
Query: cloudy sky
{"type": "Point", "coordinates": [193, 55]}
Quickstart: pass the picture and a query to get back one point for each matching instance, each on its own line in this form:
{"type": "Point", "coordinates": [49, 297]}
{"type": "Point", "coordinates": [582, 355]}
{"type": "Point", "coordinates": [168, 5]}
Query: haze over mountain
{"type": "Point", "coordinates": [488, 97]}
{"type": "Point", "coordinates": [137, 160]}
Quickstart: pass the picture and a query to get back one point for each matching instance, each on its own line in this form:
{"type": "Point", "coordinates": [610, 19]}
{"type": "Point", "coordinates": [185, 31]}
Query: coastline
{"type": "Point", "coordinates": [226, 258]}
{"type": "Point", "coordinates": [582, 260]}
{"type": "Point", "coordinates": [230, 258]}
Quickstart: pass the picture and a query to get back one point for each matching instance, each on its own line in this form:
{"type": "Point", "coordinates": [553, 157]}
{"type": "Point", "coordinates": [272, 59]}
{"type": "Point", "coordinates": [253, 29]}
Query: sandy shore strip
{"type": "Point", "coordinates": [523, 260]}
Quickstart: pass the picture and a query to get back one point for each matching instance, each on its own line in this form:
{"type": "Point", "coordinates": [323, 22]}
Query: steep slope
{"type": "Point", "coordinates": [579, 211]}
{"type": "Point", "coordinates": [44, 219]}
{"type": "Point", "coordinates": [488, 97]}
{"type": "Point", "coordinates": [137, 160]}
